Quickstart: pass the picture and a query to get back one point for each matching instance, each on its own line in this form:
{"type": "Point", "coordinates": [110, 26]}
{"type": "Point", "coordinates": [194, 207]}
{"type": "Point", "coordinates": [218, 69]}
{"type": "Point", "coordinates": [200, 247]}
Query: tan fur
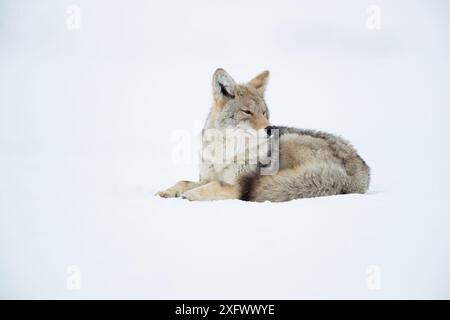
{"type": "Point", "coordinates": [258, 123]}
{"type": "Point", "coordinates": [260, 81]}
{"type": "Point", "coordinates": [179, 188]}
{"type": "Point", "coordinates": [213, 191]}
{"type": "Point", "coordinates": [295, 151]}
{"type": "Point", "coordinates": [311, 163]}
{"type": "Point", "coordinates": [216, 106]}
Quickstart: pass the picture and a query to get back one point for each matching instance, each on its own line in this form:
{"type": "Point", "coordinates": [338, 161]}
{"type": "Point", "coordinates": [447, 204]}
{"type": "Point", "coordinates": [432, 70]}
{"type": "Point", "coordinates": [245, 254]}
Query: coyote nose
{"type": "Point", "coordinates": [269, 129]}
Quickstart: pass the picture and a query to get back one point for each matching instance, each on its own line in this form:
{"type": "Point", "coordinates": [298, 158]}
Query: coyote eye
{"type": "Point", "coordinates": [247, 111]}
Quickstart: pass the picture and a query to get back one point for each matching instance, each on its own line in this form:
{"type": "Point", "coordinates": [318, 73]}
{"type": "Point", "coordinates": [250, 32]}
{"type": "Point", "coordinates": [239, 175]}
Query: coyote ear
{"type": "Point", "coordinates": [223, 85]}
{"type": "Point", "coordinates": [260, 82]}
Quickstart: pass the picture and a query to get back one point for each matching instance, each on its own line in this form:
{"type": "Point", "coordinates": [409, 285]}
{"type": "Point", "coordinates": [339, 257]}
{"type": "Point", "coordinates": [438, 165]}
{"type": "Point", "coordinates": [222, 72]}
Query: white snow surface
{"type": "Point", "coordinates": [88, 127]}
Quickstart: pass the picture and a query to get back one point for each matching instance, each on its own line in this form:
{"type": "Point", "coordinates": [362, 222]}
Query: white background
{"type": "Point", "coordinates": [87, 118]}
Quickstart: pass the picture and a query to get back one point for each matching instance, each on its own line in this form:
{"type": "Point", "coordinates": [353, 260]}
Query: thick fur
{"type": "Point", "coordinates": [311, 163]}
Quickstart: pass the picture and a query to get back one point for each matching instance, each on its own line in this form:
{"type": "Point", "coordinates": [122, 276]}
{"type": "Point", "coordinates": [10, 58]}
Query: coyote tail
{"type": "Point", "coordinates": [307, 181]}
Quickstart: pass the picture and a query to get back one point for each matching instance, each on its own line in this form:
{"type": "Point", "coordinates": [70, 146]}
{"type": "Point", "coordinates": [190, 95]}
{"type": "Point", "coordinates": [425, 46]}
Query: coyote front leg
{"type": "Point", "coordinates": [214, 190]}
{"type": "Point", "coordinates": [178, 188]}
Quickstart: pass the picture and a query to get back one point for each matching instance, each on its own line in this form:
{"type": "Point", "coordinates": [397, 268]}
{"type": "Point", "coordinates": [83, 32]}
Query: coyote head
{"type": "Point", "coordinates": [239, 105]}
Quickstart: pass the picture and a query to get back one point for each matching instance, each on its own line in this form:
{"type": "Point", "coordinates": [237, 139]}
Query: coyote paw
{"type": "Point", "coordinates": [167, 194]}
{"type": "Point", "coordinates": [192, 195]}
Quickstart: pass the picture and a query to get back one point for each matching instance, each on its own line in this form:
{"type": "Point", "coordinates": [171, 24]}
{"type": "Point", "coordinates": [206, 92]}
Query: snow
{"type": "Point", "coordinates": [88, 123]}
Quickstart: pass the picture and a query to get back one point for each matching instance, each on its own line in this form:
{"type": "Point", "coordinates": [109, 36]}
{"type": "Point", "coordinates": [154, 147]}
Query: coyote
{"type": "Point", "coordinates": [310, 163]}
